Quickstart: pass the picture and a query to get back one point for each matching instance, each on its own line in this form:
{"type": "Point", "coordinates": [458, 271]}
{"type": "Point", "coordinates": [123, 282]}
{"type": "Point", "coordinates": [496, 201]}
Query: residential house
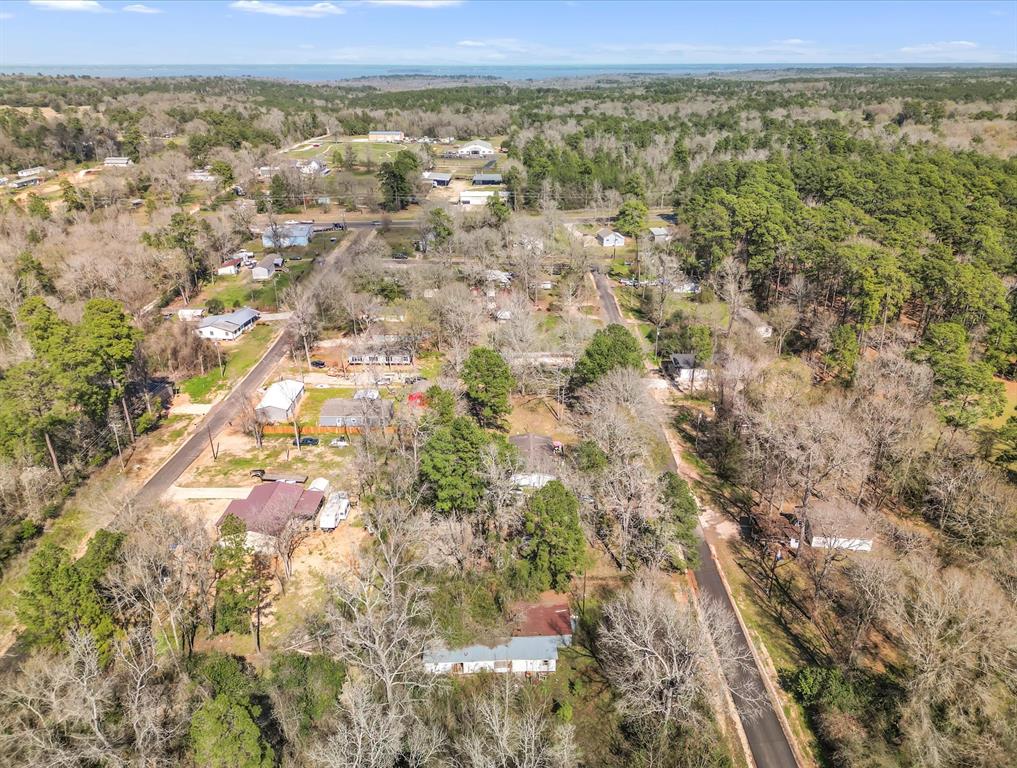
{"type": "Point", "coordinates": [481, 196]}
{"type": "Point", "coordinates": [203, 175]}
{"type": "Point", "coordinates": [287, 235]}
{"type": "Point", "coordinates": [311, 168]}
{"type": "Point", "coordinates": [531, 649]}
{"type": "Point", "coordinates": [24, 173]}
{"type": "Point", "coordinates": [381, 357]}
{"type": "Point", "coordinates": [28, 181]}
{"type": "Point", "coordinates": [682, 368]}
{"type": "Point", "coordinates": [385, 136]}
{"type": "Point", "coordinates": [228, 327]}
{"type": "Point", "coordinates": [264, 269]}
{"type": "Point", "coordinates": [687, 287]}
{"type": "Point", "coordinates": [117, 161]}
{"type": "Point", "coordinates": [476, 148]}
{"type": "Point", "coordinates": [437, 179]}
{"type": "Point", "coordinates": [835, 524]}
{"type": "Point", "coordinates": [363, 413]}
{"type": "Point", "coordinates": [280, 401]}
{"type": "Point", "coordinates": [760, 326]}
{"type": "Point", "coordinates": [610, 239]}
{"type": "Point", "coordinates": [540, 455]}
{"type": "Point", "coordinates": [486, 179]}
{"type": "Point", "coordinates": [269, 507]}
{"type": "Point", "coordinates": [660, 235]}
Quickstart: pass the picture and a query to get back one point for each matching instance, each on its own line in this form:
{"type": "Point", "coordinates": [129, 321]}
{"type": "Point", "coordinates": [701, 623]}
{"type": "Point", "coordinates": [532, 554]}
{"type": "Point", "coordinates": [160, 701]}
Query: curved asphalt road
{"type": "Point", "coordinates": [767, 742]}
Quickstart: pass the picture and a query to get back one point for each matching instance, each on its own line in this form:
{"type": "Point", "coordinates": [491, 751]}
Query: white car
{"type": "Point", "coordinates": [339, 442]}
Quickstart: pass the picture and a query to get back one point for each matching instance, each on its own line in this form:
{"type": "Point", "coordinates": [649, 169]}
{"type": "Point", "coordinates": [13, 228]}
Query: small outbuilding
{"type": "Point", "coordinates": [264, 269]}
{"type": "Point", "coordinates": [280, 401]}
{"type": "Point", "coordinates": [836, 524]}
{"type": "Point", "coordinates": [437, 178]}
{"type": "Point", "coordinates": [486, 179]}
{"type": "Point", "coordinates": [752, 319]}
{"type": "Point", "coordinates": [685, 372]}
{"type": "Point", "coordinates": [610, 239]}
{"type": "Point", "coordinates": [660, 235]}
{"type": "Point", "coordinates": [117, 162]}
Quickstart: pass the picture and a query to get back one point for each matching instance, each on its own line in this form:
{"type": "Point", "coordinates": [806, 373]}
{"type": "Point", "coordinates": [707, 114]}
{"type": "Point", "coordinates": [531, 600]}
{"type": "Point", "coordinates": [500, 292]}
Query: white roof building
{"type": "Point", "coordinates": [280, 401]}
{"type": "Point", "coordinates": [476, 148]}
{"type": "Point", "coordinates": [609, 238]}
{"type": "Point", "coordinates": [228, 327]}
{"type": "Point", "coordinates": [118, 161]}
{"type": "Point", "coordinates": [481, 196]}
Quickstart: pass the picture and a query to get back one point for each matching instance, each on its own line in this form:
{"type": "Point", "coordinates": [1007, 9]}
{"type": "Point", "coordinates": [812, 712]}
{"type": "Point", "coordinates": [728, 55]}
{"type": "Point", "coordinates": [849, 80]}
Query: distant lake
{"type": "Point", "coordinates": [329, 72]}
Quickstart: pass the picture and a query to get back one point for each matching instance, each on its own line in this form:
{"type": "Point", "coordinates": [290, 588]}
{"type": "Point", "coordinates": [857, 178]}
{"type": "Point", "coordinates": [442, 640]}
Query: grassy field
{"type": "Point", "coordinates": [242, 358]}
{"type": "Point", "coordinates": [279, 455]}
{"type": "Point", "coordinates": [314, 399]}
{"type": "Point", "coordinates": [240, 290]}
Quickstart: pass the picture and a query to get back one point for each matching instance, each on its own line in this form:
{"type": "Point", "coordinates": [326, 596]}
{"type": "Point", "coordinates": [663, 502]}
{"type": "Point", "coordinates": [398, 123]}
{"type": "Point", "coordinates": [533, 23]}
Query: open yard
{"type": "Point", "coordinates": [243, 354]}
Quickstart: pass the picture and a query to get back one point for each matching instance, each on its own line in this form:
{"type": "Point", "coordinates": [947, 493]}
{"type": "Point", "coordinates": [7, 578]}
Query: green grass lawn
{"type": "Point", "coordinates": [242, 358]}
{"type": "Point", "coordinates": [429, 366]}
{"type": "Point", "coordinates": [314, 399]}
{"type": "Point", "coordinates": [241, 291]}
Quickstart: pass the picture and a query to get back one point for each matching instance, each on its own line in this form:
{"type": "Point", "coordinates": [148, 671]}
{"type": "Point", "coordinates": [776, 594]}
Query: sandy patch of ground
{"type": "Point", "coordinates": [725, 528]}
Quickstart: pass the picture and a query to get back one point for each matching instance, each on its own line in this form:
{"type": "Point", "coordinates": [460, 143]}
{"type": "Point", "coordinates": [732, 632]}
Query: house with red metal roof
{"type": "Point", "coordinates": [269, 507]}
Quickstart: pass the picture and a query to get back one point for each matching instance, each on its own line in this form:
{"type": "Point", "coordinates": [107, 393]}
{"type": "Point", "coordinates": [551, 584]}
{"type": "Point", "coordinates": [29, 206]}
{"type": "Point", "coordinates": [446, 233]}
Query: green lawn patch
{"type": "Point", "coordinates": [242, 358]}
{"type": "Point", "coordinates": [314, 399]}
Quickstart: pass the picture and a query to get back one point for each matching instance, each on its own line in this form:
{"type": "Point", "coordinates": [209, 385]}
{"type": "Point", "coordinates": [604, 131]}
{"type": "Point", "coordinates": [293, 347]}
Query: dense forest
{"type": "Point", "coordinates": [867, 221]}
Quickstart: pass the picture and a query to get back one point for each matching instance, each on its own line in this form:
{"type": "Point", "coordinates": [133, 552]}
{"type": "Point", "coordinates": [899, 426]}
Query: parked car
{"type": "Point", "coordinates": [339, 442]}
{"type": "Point", "coordinates": [306, 441]}
{"type": "Point", "coordinates": [332, 239]}
{"type": "Point", "coordinates": [318, 363]}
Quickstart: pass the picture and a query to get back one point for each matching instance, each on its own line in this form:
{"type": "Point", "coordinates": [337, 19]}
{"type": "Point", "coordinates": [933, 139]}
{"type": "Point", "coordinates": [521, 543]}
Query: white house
{"type": "Point", "coordinates": [532, 650]}
{"type": "Point", "coordinates": [686, 286]}
{"type": "Point", "coordinates": [203, 175]}
{"type": "Point", "coordinates": [287, 235]}
{"type": "Point", "coordinates": [280, 401]}
{"type": "Point", "coordinates": [228, 327]}
{"type": "Point", "coordinates": [118, 161]}
{"type": "Point", "coordinates": [311, 168]}
{"type": "Point", "coordinates": [190, 315]}
{"type": "Point", "coordinates": [683, 370]}
{"type": "Point", "coordinates": [476, 148]}
{"type": "Point", "coordinates": [610, 239]}
{"type": "Point", "coordinates": [264, 269]}
{"type": "Point", "coordinates": [385, 136]}
{"type": "Point", "coordinates": [760, 326]}
{"type": "Point", "coordinates": [24, 173]}
{"type": "Point", "coordinates": [499, 276]}
{"type": "Point", "coordinates": [480, 196]}
{"type": "Point", "coordinates": [836, 524]}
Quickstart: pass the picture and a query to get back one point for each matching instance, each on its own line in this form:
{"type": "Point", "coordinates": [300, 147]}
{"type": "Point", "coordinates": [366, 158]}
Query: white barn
{"type": "Point", "coordinates": [264, 269]}
{"type": "Point", "coordinates": [476, 148]}
{"type": "Point", "coordinates": [480, 196]}
{"type": "Point", "coordinates": [385, 136]}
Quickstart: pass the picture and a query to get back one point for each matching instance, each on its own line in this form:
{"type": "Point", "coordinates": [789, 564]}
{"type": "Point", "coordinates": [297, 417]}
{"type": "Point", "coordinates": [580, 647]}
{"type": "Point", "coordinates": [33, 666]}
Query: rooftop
{"type": "Point", "coordinates": [270, 506]}
{"type": "Point", "coordinates": [233, 321]}
{"type": "Point", "coordinates": [483, 178]}
{"type": "Point", "coordinates": [282, 394]}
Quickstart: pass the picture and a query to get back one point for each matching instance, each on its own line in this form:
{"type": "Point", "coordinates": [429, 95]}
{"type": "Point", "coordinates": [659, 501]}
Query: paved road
{"type": "Point", "coordinates": [767, 742]}
{"type": "Point", "coordinates": [224, 411]}
{"type": "Point", "coordinates": [217, 418]}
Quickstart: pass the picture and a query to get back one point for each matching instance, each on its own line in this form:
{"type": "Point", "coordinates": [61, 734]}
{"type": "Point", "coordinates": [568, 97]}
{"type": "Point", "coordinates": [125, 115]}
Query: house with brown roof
{"type": "Point", "coordinates": [269, 507]}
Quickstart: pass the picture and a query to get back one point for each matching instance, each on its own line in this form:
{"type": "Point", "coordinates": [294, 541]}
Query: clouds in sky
{"type": "Point", "coordinates": [88, 6]}
{"type": "Point", "coordinates": [310, 11]}
{"type": "Point", "coordinates": [140, 8]}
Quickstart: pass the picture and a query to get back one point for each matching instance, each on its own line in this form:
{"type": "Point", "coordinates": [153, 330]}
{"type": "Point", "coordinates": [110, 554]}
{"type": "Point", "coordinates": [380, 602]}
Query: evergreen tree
{"type": "Point", "coordinates": [555, 545]}
{"type": "Point", "coordinates": [611, 347]}
{"type": "Point", "coordinates": [239, 586]}
{"type": "Point", "coordinates": [488, 383]}
{"type": "Point", "coordinates": [450, 465]}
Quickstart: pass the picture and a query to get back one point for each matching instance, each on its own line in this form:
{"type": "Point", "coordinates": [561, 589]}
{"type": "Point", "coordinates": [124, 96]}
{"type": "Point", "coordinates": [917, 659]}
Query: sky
{"type": "Point", "coordinates": [477, 32]}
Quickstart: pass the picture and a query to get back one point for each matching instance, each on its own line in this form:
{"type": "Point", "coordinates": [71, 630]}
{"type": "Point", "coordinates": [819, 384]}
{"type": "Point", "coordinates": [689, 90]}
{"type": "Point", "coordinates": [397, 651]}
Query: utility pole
{"type": "Point", "coordinates": [120, 453]}
{"type": "Point", "coordinates": [215, 453]}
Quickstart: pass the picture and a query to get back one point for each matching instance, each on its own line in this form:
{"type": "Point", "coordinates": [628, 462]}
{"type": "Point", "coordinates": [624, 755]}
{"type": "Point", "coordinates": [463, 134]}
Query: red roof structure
{"type": "Point", "coordinates": [543, 620]}
{"type": "Point", "coordinates": [270, 506]}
